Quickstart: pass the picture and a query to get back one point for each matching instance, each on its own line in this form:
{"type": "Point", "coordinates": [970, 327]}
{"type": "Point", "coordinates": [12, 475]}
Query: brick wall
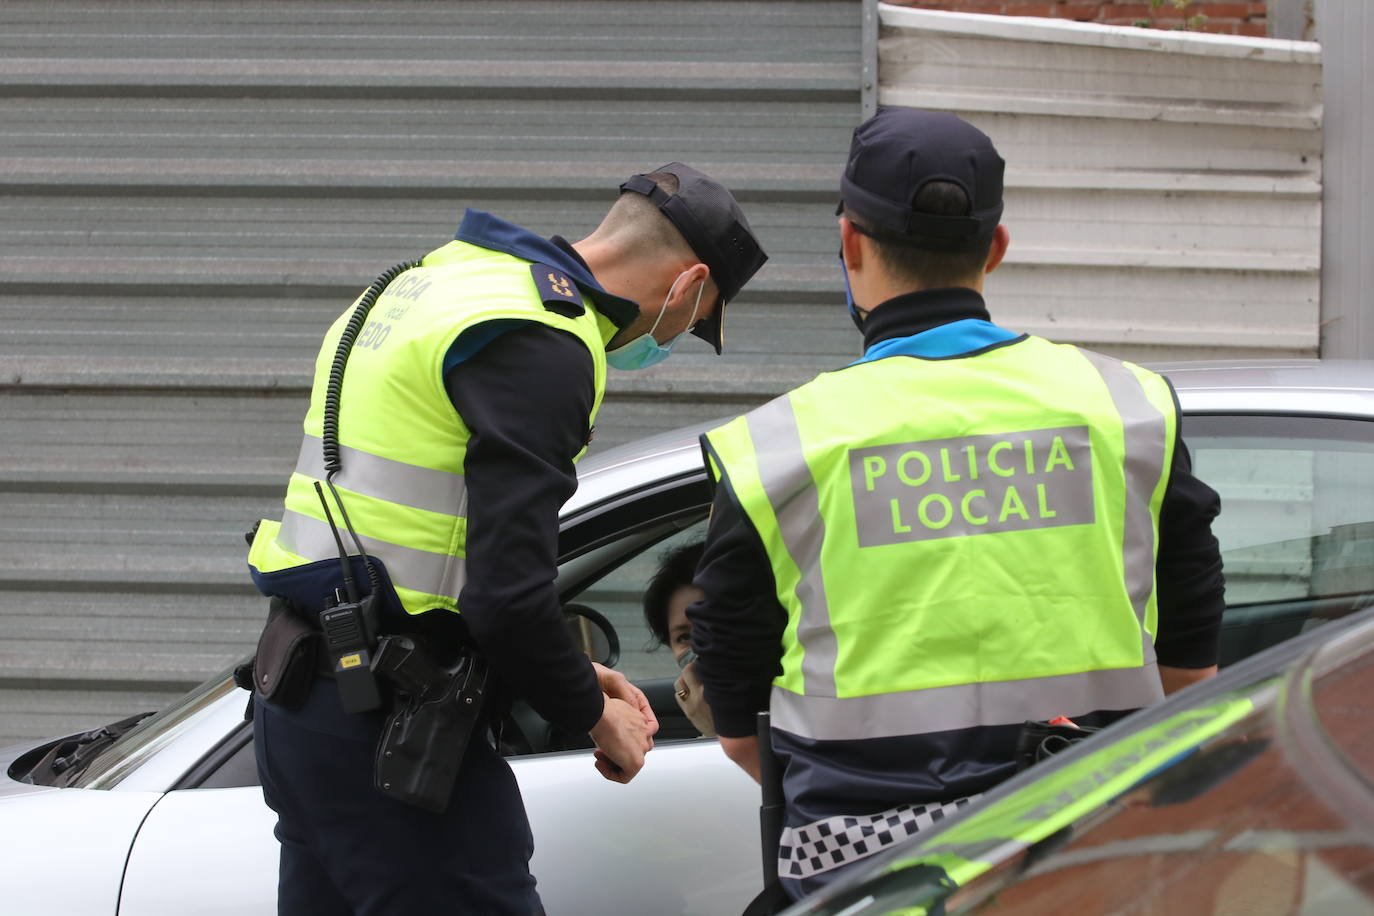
{"type": "Point", "coordinates": [1226, 18]}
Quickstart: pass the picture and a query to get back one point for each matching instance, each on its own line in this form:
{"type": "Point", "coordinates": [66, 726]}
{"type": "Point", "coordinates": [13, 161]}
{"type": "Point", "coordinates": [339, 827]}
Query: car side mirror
{"type": "Point", "coordinates": [592, 633]}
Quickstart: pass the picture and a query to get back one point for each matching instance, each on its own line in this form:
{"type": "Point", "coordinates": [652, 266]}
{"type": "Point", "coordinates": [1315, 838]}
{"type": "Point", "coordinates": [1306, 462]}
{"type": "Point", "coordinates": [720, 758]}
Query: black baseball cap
{"type": "Point", "coordinates": [897, 152]}
{"type": "Point", "coordinates": [710, 219]}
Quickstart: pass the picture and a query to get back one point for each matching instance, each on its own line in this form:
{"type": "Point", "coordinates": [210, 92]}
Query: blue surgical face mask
{"type": "Point", "coordinates": [849, 295]}
{"type": "Point", "coordinates": [644, 351]}
{"type": "Point", "coordinates": [687, 658]}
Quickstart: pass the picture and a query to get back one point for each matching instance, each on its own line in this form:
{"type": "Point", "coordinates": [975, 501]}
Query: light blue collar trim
{"type": "Point", "coordinates": [943, 342]}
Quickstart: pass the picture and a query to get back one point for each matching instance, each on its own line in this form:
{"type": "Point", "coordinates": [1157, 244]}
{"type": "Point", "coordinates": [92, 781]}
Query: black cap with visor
{"type": "Point", "coordinates": [710, 219]}
{"type": "Point", "coordinates": [896, 153]}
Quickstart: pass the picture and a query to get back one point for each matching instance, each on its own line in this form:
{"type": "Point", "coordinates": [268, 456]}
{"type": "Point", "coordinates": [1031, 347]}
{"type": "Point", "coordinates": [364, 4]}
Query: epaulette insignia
{"type": "Point", "coordinates": [557, 290]}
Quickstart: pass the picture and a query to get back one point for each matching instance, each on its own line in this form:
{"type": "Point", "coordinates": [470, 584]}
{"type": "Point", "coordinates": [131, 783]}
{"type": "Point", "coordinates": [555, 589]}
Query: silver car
{"type": "Point", "coordinates": [162, 814]}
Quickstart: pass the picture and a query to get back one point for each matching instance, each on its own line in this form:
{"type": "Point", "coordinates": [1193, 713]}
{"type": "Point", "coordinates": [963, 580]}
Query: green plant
{"type": "Point", "coordinates": [1192, 23]}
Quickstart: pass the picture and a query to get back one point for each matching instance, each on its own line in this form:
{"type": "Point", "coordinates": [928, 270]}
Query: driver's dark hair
{"type": "Point", "coordinates": [675, 569]}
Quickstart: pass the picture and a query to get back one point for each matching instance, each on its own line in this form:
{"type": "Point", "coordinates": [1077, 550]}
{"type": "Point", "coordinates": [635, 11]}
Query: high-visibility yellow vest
{"type": "Point", "coordinates": [403, 445]}
{"type": "Point", "coordinates": [958, 542]}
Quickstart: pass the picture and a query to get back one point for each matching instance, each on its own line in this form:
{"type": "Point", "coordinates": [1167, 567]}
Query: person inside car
{"type": "Point", "coordinates": [666, 600]}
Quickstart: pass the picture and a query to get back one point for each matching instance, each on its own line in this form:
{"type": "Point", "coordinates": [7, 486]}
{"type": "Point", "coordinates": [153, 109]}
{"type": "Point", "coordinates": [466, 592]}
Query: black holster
{"type": "Point", "coordinates": [434, 712]}
{"type": "Point", "coordinates": [1038, 741]}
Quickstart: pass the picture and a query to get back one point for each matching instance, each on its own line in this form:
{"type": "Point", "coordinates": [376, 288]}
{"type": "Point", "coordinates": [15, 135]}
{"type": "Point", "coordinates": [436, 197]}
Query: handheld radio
{"type": "Point", "coordinates": [347, 623]}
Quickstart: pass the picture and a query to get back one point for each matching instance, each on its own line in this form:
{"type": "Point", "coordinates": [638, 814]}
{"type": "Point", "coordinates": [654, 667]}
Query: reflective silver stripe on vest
{"type": "Point", "coordinates": [791, 491]}
{"type": "Point", "coordinates": [834, 841]}
{"type": "Point", "coordinates": [392, 481]}
{"type": "Point", "coordinates": [421, 570]}
{"type": "Point", "coordinates": [959, 706]}
{"type": "Point", "coordinates": [1144, 430]}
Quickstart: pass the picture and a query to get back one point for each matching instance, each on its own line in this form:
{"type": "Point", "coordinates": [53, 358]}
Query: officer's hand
{"type": "Point", "coordinates": [615, 684]}
{"type": "Point", "coordinates": [622, 740]}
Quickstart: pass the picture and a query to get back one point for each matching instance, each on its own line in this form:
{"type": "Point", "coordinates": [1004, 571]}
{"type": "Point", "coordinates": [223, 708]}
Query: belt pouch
{"type": "Point", "coordinates": [285, 663]}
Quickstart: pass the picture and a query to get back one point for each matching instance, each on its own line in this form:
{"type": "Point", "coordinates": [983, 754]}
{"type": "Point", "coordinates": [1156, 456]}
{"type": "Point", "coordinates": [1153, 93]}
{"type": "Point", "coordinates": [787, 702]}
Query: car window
{"type": "Point", "coordinates": [618, 593]}
{"type": "Point", "coordinates": [1297, 521]}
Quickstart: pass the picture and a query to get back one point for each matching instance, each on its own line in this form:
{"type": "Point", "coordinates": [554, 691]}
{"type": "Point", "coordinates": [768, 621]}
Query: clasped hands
{"type": "Point", "coordinates": [624, 734]}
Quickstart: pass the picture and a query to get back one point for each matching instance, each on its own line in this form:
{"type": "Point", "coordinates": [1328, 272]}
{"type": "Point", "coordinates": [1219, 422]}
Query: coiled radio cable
{"type": "Point", "coordinates": [330, 437]}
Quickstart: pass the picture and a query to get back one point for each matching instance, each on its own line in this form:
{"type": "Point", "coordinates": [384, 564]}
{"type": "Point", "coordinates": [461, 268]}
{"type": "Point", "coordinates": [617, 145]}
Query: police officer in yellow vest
{"type": "Point", "coordinates": [965, 529]}
{"type": "Point", "coordinates": [472, 384]}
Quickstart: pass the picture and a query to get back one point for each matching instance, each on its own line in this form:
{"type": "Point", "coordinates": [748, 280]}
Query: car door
{"type": "Point", "coordinates": [680, 839]}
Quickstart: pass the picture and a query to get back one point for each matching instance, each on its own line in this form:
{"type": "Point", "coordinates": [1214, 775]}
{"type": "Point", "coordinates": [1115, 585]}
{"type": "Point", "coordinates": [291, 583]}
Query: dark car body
{"type": "Point", "coordinates": [1252, 793]}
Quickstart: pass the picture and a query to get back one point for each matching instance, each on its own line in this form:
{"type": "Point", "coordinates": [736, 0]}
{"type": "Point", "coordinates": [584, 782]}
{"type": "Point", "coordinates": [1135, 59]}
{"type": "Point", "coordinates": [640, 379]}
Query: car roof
{"type": "Point", "coordinates": [1302, 386]}
{"type": "Point", "coordinates": [673, 454]}
{"type": "Point", "coordinates": [1298, 386]}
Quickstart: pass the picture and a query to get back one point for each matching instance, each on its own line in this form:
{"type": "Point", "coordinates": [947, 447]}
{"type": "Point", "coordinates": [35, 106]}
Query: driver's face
{"type": "Point", "coordinates": [679, 627]}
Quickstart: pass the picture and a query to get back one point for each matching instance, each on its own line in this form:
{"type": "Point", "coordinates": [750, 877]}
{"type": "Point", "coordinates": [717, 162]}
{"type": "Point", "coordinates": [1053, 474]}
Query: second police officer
{"type": "Point", "coordinates": [965, 529]}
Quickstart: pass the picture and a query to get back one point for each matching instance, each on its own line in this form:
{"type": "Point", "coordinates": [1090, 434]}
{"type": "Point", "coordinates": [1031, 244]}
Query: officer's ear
{"type": "Point", "coordinates": [689, 282]}
{"type": "Point", "coordinates": [851, 246]}
{"type": "Point", "coordinates": [1001, 238]}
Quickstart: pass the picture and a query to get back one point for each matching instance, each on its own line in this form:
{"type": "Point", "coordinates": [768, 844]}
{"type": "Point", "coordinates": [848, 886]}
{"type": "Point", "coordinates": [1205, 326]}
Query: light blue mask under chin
{"type": "Point", "coordinates": [645, 351]}
{"type": "Point", "coordinates": [641, 353]}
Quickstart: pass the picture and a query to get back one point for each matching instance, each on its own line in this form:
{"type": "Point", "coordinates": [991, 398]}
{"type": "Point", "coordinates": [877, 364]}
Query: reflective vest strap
{"type": "Point", "coordinates": [392, 481]}
{"type": "Point", "coordinates": [312, 539]}
{"type": "Point", "coordinates": [790, 489]}
{"type": "Point", "coordinates": [1145, 433]}
{"type": "Point", "coordinates": [962, 706]}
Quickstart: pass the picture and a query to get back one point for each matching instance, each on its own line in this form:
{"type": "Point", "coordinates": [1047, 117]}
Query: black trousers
{"type": "Point", "coordinates": [347, 850]}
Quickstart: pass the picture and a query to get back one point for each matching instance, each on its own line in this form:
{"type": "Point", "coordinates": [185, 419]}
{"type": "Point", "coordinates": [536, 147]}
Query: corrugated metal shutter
{"type": "Point", "coordinates": [1163, 188]}
{"type": "Point", "coordinates": [190, 192]}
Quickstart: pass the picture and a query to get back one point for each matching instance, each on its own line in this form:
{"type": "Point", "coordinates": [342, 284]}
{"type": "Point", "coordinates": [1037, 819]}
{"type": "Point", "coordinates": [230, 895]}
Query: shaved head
{"type": "Point", "coordinates": [635, 226]}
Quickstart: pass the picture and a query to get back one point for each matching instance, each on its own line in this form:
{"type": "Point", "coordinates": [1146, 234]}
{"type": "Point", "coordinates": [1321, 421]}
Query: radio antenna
{"type": "Point", "coordinates": [367, 561]}
{"type": "Point", "coordinates": [350, 587]}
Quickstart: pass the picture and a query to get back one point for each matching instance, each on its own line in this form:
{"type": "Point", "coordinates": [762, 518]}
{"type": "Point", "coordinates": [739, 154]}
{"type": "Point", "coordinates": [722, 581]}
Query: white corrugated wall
{"type": "Point", "coordinates": [1163, 189]}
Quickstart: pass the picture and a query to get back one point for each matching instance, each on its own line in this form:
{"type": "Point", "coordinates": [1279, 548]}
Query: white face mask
{"type": "Point", "coordinates": [645, 351]}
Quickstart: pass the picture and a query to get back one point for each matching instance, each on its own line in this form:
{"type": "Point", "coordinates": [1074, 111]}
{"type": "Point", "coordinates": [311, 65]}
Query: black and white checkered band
{"type": "Point", "coordinates": [834, 841]}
